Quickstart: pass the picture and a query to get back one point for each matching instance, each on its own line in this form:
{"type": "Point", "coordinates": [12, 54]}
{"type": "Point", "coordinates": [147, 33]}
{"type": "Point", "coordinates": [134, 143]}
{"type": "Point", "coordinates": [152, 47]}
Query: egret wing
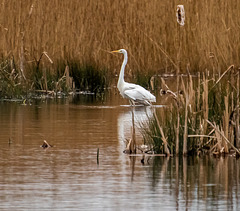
{"type": "Point", "coordinates": [137, 93]}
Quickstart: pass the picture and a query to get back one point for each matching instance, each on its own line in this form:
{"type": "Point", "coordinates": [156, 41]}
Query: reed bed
{"type": "Point", "coordinates": [86, 30]}
{"type": "Point", "coordinates": [56, 45]}
{"type": "Point", "coordinates": [208, 111]}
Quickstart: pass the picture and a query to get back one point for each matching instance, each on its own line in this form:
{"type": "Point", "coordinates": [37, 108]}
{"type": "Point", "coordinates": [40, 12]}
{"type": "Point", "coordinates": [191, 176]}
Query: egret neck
{"type": "Point", "coordinates": [121, 76]}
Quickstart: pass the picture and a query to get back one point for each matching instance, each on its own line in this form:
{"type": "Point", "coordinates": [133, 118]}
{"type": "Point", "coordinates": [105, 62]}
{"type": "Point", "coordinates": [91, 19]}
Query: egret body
{"type": "Point", "coordinates": [133, 92]}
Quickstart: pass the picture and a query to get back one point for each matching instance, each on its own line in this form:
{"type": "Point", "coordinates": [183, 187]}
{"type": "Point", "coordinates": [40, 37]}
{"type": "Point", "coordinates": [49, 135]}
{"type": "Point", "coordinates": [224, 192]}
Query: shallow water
{"type": "Point", "coordinates": [67, 176]}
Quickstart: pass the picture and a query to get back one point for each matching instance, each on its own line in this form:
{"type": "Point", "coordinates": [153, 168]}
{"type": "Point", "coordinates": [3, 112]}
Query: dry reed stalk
{"type": "Point", "coordinates": [237, 117]}
{"type": "Point", "coordinates": [185, 134]}
{"type": "Point", "coordinates": [205, 136]}
{"type": "Point", "coordinates": [224, 143]}
{"type": "Point", "coordinates": [46, 54]}
{"type": "Point", "coordinates": [221, 133]}
{"type": "Point", "coordinates": [45, 78]}
{"type": "Point", "coordinates": [205, 108]}
{"type": "Point", "coordinates": [152, 83]}
{"type": "Point", "coordinates": [177, 74]}
{"type": "Point", "coordinates": [219, 140]}
{"type": "Point", "coordinates": [232, 110]}
{"type": "Point", "coordinates": [58, 83]}
{"type": "Point", "coordinates": [68, 80]}
{"type": "Point", "coordinates": [22, 58]}
{"type": "Point", "coordinates": [191, 92]}
{"type": "Point", "coordinates": [226, 118]}
{"type": "Point", "coordinates": [164, 139]}
{"type": "Point", "coordinates": [163, 84]}
{"type": "Point", "coordinates": [177, 131]}
{"type": "Point", "coordinates": [178, 115]}
{"type": "Point", "coordinates": [192, 102]}
{"type": "Point", "coordinates": [220, 78]}
{"type": "Point", "coordinates": [198, 91]}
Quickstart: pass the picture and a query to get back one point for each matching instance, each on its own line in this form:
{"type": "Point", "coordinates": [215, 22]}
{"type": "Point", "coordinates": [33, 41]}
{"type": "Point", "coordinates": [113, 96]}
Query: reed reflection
{"type": "Point", "coordinates": [196, 182]}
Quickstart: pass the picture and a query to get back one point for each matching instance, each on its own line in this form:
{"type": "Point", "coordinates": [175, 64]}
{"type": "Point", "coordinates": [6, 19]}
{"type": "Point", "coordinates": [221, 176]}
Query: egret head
{"type": "Point", "coordinates": [123, 51]}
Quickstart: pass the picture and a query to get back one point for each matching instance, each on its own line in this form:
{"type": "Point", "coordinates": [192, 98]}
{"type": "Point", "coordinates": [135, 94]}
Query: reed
{"type": "Point", "coordinates": [79, 34]}
{"type": "Point", "coordinates": [87, 29]}
{"type": "Point", "coordinates": [41, 78]}
{"type": "Point", "coordinates": [208, 117]}
{"type": "Point", "coordinates": [11, 81]}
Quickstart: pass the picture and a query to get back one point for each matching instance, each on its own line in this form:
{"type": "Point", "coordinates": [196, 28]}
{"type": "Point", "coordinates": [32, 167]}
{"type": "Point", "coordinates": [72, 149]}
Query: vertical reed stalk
{"type": "Point", "coordinates": [198, 91]}
{"type": "Point", "coordinates": [45, 78]}
{"type": "Point", "coordinates": [177, 73]}
{"type": "Point", "coordinates": [22, 59]}
{"type": "Point", "coordinates": [226, 119]}
{"type": "Point", "coordinates": [219, 139]}
{"type": "Point", "coordinates": [221, 133]}
{"type": "Point", "coordinates": [185, 127]}
{"type": "Point", "coordinates": [205, 105]}
{"type": "Point", "coordinates": [164, 139]}
{"type": "Point", "coordinates": [67, 77]}
{"type": "Point", "coordinates": [237, 117]}
{"type": "Point", "coordinates": [177, 129]}
{"type": "Point", "coordinates": [185, 134]}
{"type": "Point", "coordinates": [178, 114]}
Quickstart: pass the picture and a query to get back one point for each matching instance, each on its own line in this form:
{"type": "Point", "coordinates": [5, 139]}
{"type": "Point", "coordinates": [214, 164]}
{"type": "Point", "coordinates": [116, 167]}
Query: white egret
{"type": "Point", "coordinates": [133, 92]}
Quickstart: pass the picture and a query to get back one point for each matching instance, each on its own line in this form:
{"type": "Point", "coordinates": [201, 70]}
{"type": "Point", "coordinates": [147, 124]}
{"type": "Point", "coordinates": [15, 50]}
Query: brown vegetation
{"type": "Point", "coordinates": [203, 117]}
{"type": "Point", "coordinates": [85, 30]}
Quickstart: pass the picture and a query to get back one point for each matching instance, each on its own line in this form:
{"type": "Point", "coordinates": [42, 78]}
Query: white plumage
{"type": "Point", "coordinates": [133, 92]}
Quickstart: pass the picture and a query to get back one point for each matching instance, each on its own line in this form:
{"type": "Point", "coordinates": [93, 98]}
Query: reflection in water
{"type": "Point", "coordinates": [125, 123]}
{"type": "Point", "coordinates": [67, 177]}
{"type": "Point", "coordinates": [197, 183]}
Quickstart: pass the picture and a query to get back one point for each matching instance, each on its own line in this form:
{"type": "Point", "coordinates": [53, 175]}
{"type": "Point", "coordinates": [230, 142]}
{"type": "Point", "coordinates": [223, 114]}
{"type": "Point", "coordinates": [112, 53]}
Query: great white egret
{"type": "Point", "coordinates": [133, 92]}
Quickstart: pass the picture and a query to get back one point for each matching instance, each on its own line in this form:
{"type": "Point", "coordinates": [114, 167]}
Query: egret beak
{"type": "Point", "coordinates": [117, 51]}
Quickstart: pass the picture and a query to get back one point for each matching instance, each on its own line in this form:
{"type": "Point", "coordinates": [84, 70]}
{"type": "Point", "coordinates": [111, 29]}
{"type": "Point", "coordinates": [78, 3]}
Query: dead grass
{"type": "Point", "coordinates": [86, 29]}
{"type": "Point", "coordinates": [203, 118]}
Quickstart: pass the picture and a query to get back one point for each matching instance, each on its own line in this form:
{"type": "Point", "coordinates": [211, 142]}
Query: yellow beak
{"type": "Point", "coordinates": [117, 51]}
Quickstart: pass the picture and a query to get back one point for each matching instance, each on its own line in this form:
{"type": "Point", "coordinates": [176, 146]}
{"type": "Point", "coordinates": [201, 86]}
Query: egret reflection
{"type": "Point", "coordinates": [129, 121]}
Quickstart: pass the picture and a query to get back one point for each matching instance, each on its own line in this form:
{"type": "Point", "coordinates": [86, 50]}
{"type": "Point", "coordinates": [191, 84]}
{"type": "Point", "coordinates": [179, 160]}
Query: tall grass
{"type": "Point", "coordinates": [208, 111]}
{"type": "Point", "coordinates": [85, 30]}
{"type": "Point", "coordinates": [40, 78]}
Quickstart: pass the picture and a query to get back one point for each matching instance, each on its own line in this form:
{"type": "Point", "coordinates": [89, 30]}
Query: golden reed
{"type": "Point", "coordinates": [87, 29]}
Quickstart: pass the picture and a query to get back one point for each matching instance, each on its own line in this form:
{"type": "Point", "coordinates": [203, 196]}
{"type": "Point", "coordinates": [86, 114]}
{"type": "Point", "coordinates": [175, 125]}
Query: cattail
{"type": "Point", "coordinates": [180, 15]}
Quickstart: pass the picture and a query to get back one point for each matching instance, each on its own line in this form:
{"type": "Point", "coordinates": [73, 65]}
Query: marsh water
{"type": "Point", "coordinates": [68, 177]}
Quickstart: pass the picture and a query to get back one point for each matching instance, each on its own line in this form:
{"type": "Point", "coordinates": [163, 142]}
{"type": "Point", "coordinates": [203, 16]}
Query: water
{"type": "Point", "coordinates": [67, 176]}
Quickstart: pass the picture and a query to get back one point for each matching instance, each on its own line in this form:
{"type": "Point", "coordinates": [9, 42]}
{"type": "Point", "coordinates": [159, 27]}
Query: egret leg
{"type": "Point", "coordinates": [132, 103]}
{"type": "Point", "coordinates": [133, 143]}
{"type": "Point", "coordinates": [147, 103]}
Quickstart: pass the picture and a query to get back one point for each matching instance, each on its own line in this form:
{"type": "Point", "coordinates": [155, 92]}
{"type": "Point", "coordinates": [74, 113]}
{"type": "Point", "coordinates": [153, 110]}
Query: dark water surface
{"type": "Point", "coordinates": [67, 177]}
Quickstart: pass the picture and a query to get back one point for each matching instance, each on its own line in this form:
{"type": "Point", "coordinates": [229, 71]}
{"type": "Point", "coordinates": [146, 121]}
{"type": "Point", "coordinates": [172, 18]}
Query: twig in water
{"type": "Point", "coordinates": [98, 156]}
{"type": "Point", "coordinates": [46, 145]}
